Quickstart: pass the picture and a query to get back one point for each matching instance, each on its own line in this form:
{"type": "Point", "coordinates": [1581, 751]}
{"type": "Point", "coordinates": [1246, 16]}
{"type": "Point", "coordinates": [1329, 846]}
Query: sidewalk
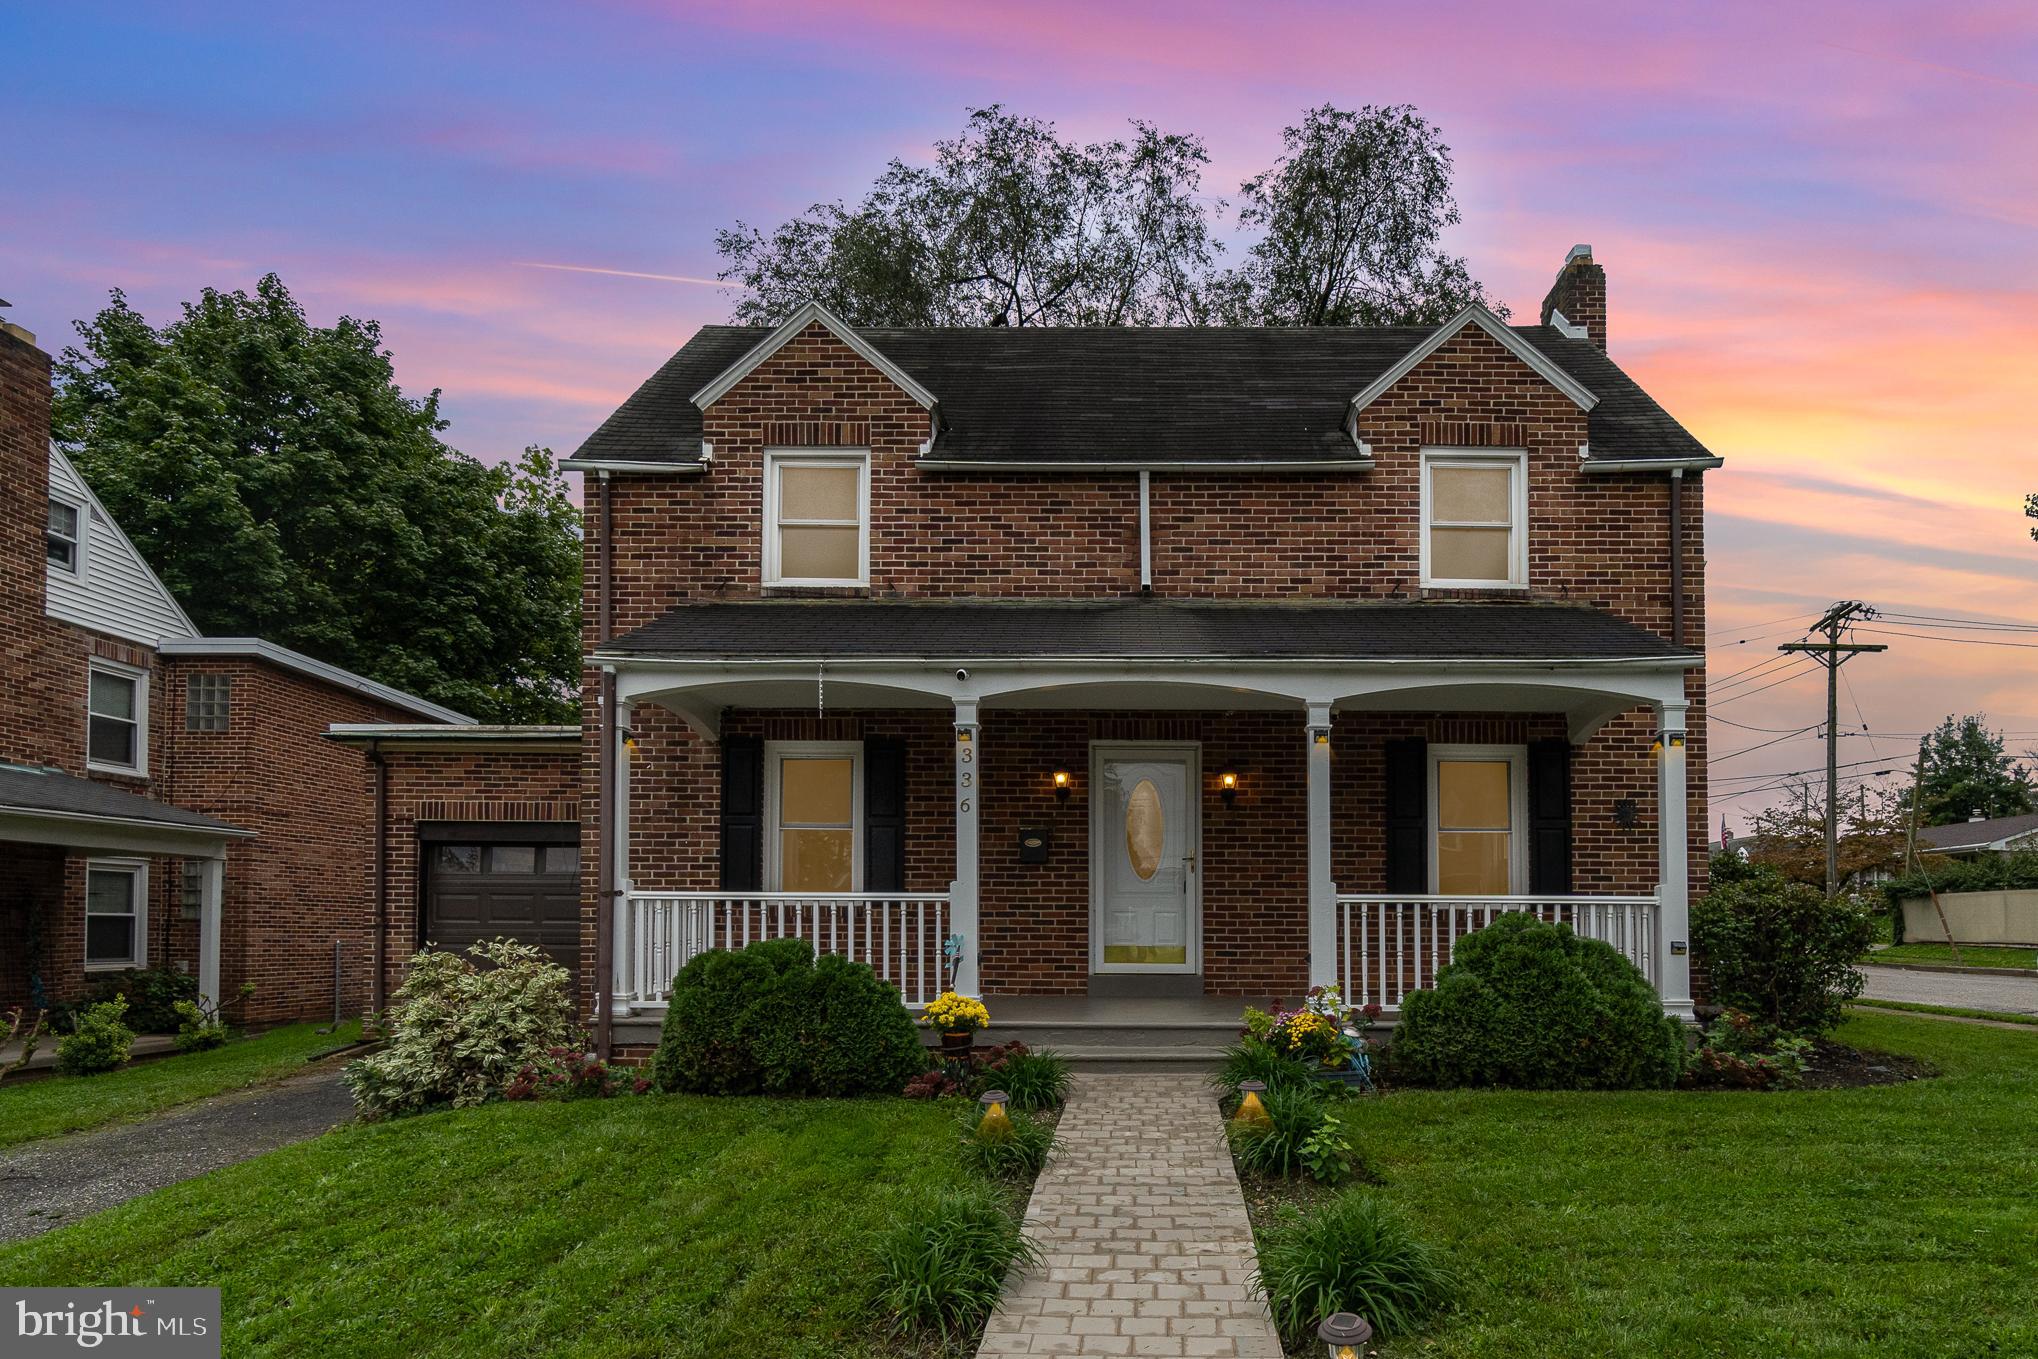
{"type": "Point", "coordinates": [1145, 1244]}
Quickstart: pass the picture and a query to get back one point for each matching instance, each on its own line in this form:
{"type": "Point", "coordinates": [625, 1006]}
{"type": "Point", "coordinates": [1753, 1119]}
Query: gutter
{"type": "Point", "coordinates": [1683, 661]}
{"type": "Point", "coordinates": [693, 468]}
{"type": "Point", "coordinates": [1704, 464]}
{"type": "Point", "coordinates": [1677, 556]}
{"type": "Point", "coordinates": [1142, 465]}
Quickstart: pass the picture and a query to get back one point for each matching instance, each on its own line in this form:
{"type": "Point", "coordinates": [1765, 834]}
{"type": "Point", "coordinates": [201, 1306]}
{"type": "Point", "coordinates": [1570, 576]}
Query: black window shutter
{"type": "Point", "coordinates": [1549, 790]}
{"type": "Point", "coordinates": [884, 815]}
{"type": "Point", "coordinates": [1406, 815]}
{"type": "Point", "coordinates": [742, 814]}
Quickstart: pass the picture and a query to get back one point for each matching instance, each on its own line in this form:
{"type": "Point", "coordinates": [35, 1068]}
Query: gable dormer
{"type": "Point", "coordinates": [94, 576]}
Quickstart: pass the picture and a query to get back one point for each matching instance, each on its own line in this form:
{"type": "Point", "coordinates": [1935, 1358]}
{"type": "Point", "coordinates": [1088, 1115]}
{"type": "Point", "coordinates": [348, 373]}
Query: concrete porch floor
{"type": "Point", "coordinates": [1088, 1011]}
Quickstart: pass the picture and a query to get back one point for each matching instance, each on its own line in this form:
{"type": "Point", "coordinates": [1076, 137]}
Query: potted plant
{"type": "Point", "coordinates": [957, 1019]}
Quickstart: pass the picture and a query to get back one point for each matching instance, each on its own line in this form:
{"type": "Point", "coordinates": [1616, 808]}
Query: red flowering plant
{"type": "Point", "coordinates": [971, 1074]}
{"type": "Point", "coordinates": [569, 1073]}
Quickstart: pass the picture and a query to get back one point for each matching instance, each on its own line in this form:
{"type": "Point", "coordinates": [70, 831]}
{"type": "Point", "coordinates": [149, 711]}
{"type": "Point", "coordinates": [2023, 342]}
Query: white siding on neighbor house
{"type": "Point", "coordinates": [113, 591]}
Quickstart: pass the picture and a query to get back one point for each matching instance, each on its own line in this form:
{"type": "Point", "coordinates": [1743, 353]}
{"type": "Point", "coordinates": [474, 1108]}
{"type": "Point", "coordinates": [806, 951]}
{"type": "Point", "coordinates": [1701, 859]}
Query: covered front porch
{"type": "Point", "coordinates": [1156, 828]}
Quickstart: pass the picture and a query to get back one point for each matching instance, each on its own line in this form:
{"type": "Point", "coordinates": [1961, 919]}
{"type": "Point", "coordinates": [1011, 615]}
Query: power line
{"type": "Point", "coordinates": [1792, 773]}
{"type": "Point", "coordinates": [1964, 641]}
{"type": "Point", "coordinates": [1750, 693]}
{"type": "Point", "coordinates": [1743, 726]}
{"type": "Point", "coordinates": [1762, 745]}
{"type": "Point", "coordinates": [1750, 628]}
{"type": "Point", "coordinates": [1727, 681]}
{"type": "Point", "coordinates": [1950, 620]}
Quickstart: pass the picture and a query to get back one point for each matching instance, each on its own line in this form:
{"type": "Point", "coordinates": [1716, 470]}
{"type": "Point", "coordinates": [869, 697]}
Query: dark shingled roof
{"type": "Point", "coordinates": [984, 629]}
{"type": "Point", "coordinates": [1967, 834]}
{"type": "Point", "coordinates": [1161, 394]}
{"type": "Point", "coordinates": [33, 788]}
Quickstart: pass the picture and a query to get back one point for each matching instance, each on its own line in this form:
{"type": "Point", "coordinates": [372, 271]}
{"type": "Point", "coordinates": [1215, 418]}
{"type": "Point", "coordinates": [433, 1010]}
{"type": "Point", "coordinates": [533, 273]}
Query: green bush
{"type": "Point", "coordinates": [1531, 1005]}
{"type": "Point", "coordinates": [943, 1262]}
{"type": "Point", "coordinates": [99, 1040]}
{"type": "Point", "coordinates": [1303, 1134]}
{"type": "Point", "coordinates": [1015, 1152]}
{"type": "Point", "coordinates": [1354, 1254]}
{"type": "Point", "coordinates": [458, 1033]}
{"type": "Point", "coordinates": [1780, 951]}
{"type": "Point", "coordinates": [1255, 1059]}
{"type": "Point", "coordinates": [771, 1019]}
{"type": "Point", "coordinates": [152, 995]}
{"type": "Point", "coordinates": [1034, 1080]}
{"type": "Point", "coordinates": [197, 1029]}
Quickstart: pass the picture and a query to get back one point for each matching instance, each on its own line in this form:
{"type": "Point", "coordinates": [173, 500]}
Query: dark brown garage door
{"type": "Point", "coordinates": [527, 889]}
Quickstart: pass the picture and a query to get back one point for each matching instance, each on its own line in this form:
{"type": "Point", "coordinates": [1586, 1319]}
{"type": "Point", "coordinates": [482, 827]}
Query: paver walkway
{"type": "Point", "coordinates": [57, 1181]}
{"type": "Point", "coordinates": [1145, 1246]}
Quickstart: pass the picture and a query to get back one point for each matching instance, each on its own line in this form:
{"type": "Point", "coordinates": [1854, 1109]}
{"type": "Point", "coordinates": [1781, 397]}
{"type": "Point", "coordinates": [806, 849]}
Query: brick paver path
{"type": "Point", "coordinates": [1145, 1247]}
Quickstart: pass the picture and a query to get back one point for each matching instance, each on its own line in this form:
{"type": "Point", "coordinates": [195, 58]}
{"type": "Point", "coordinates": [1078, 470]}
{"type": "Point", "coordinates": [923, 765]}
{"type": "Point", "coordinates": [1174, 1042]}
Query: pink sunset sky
{"type": "Point", "coordinates": [1819, 221]}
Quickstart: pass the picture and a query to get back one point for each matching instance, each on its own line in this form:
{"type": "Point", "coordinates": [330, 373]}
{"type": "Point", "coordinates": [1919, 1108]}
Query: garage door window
{"type": "Point", "coordinates": [562, 858]}
{"type": "Point", "coordinates": [457, 859]}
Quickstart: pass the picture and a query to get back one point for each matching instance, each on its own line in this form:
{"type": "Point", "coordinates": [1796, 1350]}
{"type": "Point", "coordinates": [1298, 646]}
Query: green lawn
{"type": "Point", "coordinates": [1971, 955]}
{"type": "Point", "coordinates": [44, 1106]}
{"type": "Point", "coordinates": [652, 1226]}
{"type": "Point", "coordinates": [1951, 1011]}
{"type": "Point", "coordinates": [1893, 1221]}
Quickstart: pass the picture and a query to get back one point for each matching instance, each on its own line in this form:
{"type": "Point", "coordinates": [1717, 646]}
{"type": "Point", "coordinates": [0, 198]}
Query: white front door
{"type": "Point", "coordinates": [1144, 844]}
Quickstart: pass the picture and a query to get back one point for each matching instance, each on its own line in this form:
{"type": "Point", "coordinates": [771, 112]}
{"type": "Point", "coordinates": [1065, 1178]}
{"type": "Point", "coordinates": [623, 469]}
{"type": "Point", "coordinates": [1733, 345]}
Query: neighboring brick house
{"type": "Point", "coordinates": [1141, 661]}
{"type": "Point", "coordinates": [166, 799]}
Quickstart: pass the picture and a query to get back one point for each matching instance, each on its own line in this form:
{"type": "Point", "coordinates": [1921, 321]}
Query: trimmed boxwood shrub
{"type": "Point", "coordinates": [1531, 1005]}
{"type": "Point", "coordinates": [771, 1019]}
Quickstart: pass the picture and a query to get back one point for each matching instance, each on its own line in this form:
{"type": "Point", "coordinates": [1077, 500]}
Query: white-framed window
{"type": "Point", "coordinates": [1474, 518]}
{"type": "Point", "coordinates": [813, 816]}
{"type": "Point", "coordinates": [817, 518]}
{"type": "Point", "coordinates": [116, 913]}
{"type": "Point", "coordinates": [64, 541]}
{"type": "Point", "coordinates": [208, 700]}
{"type": "Point", "coordinates": [1478, 818]}
{"type": "Point", "coordinates": [117, 722]}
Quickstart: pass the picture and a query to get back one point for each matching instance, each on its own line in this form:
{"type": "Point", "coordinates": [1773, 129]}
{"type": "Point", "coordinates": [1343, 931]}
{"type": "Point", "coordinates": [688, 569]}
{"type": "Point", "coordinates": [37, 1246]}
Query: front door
{"type": "Point", "coordinates": [1144, 844]}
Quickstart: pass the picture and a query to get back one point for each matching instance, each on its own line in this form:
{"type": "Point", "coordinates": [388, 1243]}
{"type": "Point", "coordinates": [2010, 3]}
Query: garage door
{"type": "Point", "coordinates": [522, 890]}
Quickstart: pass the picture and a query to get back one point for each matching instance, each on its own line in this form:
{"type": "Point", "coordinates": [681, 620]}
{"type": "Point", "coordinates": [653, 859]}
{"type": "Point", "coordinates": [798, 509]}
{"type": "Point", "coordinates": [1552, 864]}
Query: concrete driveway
{"type": "Point", "coordinates": [1972, 990]}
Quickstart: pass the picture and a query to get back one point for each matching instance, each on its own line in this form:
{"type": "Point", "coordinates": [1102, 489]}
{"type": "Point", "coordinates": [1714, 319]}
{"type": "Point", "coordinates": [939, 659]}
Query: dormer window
{"type": "Point", "coordinates": [817, 518]}
{"type": "Point", "coordinates": [63, 542]}
{"type": "Point", "coordinates": [1474, 519]}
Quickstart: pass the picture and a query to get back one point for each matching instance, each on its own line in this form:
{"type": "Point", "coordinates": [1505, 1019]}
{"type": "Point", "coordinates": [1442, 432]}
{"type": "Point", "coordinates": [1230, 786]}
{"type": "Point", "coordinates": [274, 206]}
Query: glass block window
{"type": "Point", "coordinates": [207, 699]}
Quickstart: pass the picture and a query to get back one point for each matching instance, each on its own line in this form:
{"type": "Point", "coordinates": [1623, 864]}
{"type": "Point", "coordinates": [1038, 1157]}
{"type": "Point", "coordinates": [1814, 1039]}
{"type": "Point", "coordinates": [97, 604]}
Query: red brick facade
{"type": "Point", "coordinates": [1596, 539]}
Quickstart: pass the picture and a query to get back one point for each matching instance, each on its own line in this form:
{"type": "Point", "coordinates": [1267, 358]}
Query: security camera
{"type": "Point", "coordinates": [961, 674]}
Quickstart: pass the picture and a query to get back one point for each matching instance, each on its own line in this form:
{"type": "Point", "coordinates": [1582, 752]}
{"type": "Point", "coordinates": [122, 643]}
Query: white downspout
{"type": "Point", "coordinates": [1145, 531]}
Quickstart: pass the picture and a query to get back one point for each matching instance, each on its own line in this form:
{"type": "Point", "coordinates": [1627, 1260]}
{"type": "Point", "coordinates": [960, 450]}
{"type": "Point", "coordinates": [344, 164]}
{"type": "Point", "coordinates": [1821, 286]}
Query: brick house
{"type": "Point", "coordinates": [1141, 662]}
{"type": "Point", "coordinates": [166, 799]}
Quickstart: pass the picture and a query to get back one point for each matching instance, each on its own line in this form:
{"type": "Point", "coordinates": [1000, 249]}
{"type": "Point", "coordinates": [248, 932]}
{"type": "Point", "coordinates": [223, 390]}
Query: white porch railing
{"type": "Point", "coordinates": [1390, 945]}
{"type": "Point", "coordinates": [900, 935]}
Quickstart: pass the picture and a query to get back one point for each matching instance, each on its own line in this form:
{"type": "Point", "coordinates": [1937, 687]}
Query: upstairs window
{"type": "Point", "coordinates": [1475, 520]}
{"type": "Point", "coordinates": [817, 518]}
{"type": "Point", "coordinates": [116, 738]}
{"type": "Point", "coordinates": [207, 699]}
{"type": "Point", "coordinates": [63, 544]}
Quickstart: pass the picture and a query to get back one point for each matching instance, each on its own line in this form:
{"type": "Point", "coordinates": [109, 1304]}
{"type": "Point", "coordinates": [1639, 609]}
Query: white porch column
{"type": "Point", "coordinates": [962, 893]}
{"type": "Point", "coordinates": [622, 940]}
{"type": "Point", "coordinates": [1673, 889]}
{"type": "Point", "coordinates": [1322, 891]}
{"type": "Point", "coordinates": [211, 914]}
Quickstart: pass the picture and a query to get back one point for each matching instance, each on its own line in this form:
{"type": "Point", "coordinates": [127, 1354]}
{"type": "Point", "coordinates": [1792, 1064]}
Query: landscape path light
{"type": "Point", "coordinates": [996, 1122]}
{"type": "Point", "coordinates": [1251, 1112]}
{"type": "Point", "coordinates": [1343, 1333]}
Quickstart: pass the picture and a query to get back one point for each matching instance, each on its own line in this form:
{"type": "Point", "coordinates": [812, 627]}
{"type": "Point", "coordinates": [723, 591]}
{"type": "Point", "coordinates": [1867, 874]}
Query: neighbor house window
{"type": "Point", "coordinates": [116, 735]}
{"type": "Point", "coordinates": [206, 699]}
{"type": "Point", "coordinates": [1478, 800]}
{"type": "Point", "coordinates": [1475, 516]}
{"type": "Point", "coordinates": [63, 542]}
{"type": "Point", "coordinates": [116, 896]}
{"type": "Point", "coordinates": [817, 519]}
{"type": "Point", "coordinates": [813, 808]}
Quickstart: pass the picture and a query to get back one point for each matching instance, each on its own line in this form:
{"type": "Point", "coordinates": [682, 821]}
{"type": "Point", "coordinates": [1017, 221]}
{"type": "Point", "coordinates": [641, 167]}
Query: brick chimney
{"type": "Point", "coordinates": [1579, 296]}
{"type": "Point", "coordinates": [33, 723]}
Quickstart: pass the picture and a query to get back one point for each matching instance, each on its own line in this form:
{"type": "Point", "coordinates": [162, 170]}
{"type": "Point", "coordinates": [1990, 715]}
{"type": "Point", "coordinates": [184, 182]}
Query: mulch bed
{"type": "Point", "coordinates": [1835, 1066]}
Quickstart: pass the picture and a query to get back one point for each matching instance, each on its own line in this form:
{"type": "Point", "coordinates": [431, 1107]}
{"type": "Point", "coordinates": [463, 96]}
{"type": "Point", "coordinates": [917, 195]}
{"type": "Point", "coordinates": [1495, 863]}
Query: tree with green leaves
{"type": "Point", "coordinates": [1789, 835]}
{"type": "Point", "coordinates": [1350, 222]}
{"type": "Point", "coordinates": [1014, 225]}
{"type": "Point", "coordinates": [1967, 772]}
{"type": "Point", "coordinates": [1011, 225]}
{"type": "Point", "coordinates": [284, 487]}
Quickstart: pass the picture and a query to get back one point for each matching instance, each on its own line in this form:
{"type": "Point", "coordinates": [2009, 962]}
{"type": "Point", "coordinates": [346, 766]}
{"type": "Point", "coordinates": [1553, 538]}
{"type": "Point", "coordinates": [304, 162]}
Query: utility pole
{"type": "Point", "coordinates": [1832, 654]}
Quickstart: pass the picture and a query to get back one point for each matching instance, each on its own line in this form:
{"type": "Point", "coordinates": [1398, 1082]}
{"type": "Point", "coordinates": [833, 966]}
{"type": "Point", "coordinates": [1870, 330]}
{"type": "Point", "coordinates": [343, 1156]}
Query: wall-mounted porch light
{"type": "Point", "coordinates": [1061, 784]}
{"type": "Point", "coordinates": [1673, 739]}
{"type": "Point", "coordinates": [1343, 1333]}
{"type": "Point", "coordinates": [1322, 736]}
{"type": "Point", "coordinates": [1227, 787]}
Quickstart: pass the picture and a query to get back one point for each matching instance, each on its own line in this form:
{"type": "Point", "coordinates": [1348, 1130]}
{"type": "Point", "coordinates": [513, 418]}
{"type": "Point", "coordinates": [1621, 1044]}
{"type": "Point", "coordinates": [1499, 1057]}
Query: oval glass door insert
{"type": "Point", "coordinates": [1144, 826]}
